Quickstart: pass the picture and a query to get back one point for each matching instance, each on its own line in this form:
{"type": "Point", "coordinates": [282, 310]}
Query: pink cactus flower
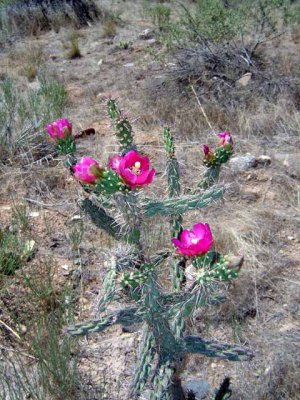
{"type": "Point", "coordinates": [194, 242]}
{"type": "Point", "coordinates": [225, 139]}
{"type": "Point", "coordinates": [60, 129]}
{"type": "Point", "coordinates": [208, 153]}
{"type": "Point", "coordinates": [87, 170]}
{"type": "Point", "coordinates": [133, 168]}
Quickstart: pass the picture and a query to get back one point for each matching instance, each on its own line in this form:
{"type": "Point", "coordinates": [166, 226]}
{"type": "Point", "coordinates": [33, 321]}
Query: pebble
{"type": "Point", "coordinates": [129, 65]}
{"type": "Point", "coordinates": [76, 218]}
{"type": "Point", "coordinates": [34, 214]}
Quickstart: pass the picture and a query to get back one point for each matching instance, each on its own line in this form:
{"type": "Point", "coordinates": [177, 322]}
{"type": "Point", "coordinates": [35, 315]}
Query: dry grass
{"type": "Point", "coordinates": [72, 46]}
{"type": "Point", "coordinates": [256, 218]}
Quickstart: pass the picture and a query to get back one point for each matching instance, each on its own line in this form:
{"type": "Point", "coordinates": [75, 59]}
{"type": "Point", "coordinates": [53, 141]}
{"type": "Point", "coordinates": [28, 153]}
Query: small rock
{"type": "Point", "coordinates": [65, 267]}
{"type": "Point", "coordinates": [199, 387]}
{"type": "Point", "coordinates": [34, 214]}
{"type": "Point", "coordinates": [23, 329]}
{"type": "Point", "coordinates": [129, 65]}
{"type": "Point", "coordinates": [151, 41]}
{"type": "Point", "coordinates": [100, 62]}
{"type": "Point", "coordinates": [243, 163]}
{"type": "Point", "coordinates": [76, 218]}
{"type": "Point", "coordinates": [244, 80]}
{"type": "Point", "coordinates": [146, 34]}
{"type": "Point", "coordinates": [264, 160]}
{"type": "Point", "coordinates": [291, 238]}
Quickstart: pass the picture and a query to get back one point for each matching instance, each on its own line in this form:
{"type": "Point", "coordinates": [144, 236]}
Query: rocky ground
{"type": "Point", "coordinates": [258, 218]}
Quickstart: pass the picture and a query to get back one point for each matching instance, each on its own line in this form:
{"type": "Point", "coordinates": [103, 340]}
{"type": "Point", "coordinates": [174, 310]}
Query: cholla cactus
{"type": "Point", "coordinates": [116, 204]}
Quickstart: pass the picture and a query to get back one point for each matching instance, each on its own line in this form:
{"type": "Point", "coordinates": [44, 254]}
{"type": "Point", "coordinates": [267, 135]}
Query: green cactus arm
{"type": "Point", "coordinates": [182, 204]}
{"type": "Point", "coordinates": [172, 164]}
{"type": "Point", "coordinates": [162, 382]}
{"type": "Point", "coordinates": [113, 109]}
{"type": "Point", "coordinates": [122, 125]}
{"type": "Point", "coordinates": [125, 317]}
{"type": "Point", "coordinates": [210, 177]}
{"type": "Point", "coordinates": [108, 288]}
{"type": "Point", "coordinates": [195, 344]}
{"type": "Point", "coordinates": [101, 219]}
{"type": "Point", "coordinates": [144, 364]}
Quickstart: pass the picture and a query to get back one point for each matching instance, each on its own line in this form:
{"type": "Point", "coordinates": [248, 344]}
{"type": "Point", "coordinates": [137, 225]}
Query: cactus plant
{"type": "Point", "coordinates": [115, 204]}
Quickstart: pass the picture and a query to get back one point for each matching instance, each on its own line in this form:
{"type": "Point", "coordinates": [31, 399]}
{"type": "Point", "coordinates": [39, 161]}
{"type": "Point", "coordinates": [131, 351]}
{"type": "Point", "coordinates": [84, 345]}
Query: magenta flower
{"type": "Point", "coordinates": [208, 153]}
{"type": "Point", "coordinates": [225, 138]}
{"type": "Point", "coordinates": [194, 242]}
{"type": "Point", "coordinates": [60, 129]}
{"type": "Point", "coordinates": [87, 170]}
{"type": "Point", "coordinates": [133, 168]}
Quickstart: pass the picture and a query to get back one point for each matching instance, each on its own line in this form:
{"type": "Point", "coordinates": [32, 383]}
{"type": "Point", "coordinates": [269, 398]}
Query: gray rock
{"type": "Point", "coordinates": [129, 65]}
{"type": "Point", "coordinates": [199, 387]}
{"type": "Point", "coordinates": [291, 162]}
{"type": "Point", "coordinates": [146, 34]}
{"type": "Point", "coordinates": [242, 163]}
{"type": "Point", "coordinates": [151, 41]}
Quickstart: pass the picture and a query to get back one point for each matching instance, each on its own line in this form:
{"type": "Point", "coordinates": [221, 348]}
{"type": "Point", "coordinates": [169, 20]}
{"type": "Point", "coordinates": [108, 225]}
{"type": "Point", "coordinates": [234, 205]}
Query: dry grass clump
{"type": "Point", "coordinates": [72, 46]}
{"type": "Point", "coordinates": [109, 28]}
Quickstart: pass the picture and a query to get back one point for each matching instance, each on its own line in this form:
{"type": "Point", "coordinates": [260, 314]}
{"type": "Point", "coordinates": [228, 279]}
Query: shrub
{"type": "Point", "coordinates": [117, 206]}
{"type": "Point", "coordinates": [160, 15]}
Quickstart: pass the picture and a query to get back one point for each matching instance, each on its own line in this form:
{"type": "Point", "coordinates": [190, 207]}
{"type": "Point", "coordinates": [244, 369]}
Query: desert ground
{"type": "Point", "coordinates": [60, 279]}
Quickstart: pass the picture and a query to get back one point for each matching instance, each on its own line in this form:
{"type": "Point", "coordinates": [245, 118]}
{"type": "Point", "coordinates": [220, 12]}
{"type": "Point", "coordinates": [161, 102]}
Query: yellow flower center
{"type": "Point", "coordinates": [136, 168]}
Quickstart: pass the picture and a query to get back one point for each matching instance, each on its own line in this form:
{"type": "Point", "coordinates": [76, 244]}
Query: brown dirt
{"type": "Point", "coordinates": [259, 218]}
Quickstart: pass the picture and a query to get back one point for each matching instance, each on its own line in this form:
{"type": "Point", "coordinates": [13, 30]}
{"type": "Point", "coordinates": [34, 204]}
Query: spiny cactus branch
{"type": "Point", "coordinates": [109, 287]}
{"type": "Point", "coordinates": [210, 177]}
{"type": "Point", "coordinates": [195, 344]}
{"type": "Point", "coordinates": [101, 219]}
{"type": "Point", "coordinates": [182, 204]}
{"type": "Point", "coordinates": [162, 381]}
{"type": "Point", "coordinates": [125, 317]}
{"type": "Point", "coordinates": [144, 364]}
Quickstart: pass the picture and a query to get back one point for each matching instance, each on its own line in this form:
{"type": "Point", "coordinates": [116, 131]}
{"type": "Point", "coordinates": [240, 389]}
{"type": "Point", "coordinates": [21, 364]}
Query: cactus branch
{"type": "Point", "coordinates": [101, 219]}
{"type": "Point", "coordinates": [182, 204]}
{"type": "Point", "coordinates": [195, 344]}
{"type": "Point", "coordinates": [109, 287]}
{"type": "Point", "coordinates": [145, 358]}
{"type": "Point", "coordinates": [125, 317]}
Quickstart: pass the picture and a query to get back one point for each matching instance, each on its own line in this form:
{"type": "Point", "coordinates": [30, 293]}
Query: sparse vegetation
{"type": "Point", "coordinates": [200, 67]}
{"type": "Point", "coordinates": [30, 17]}
{"type": "Point", "coordinates": [23, 118]}
{"type": "Point", "coordinates": [72, 46]}
{"type": "Point", "coordinates": [109, 28]}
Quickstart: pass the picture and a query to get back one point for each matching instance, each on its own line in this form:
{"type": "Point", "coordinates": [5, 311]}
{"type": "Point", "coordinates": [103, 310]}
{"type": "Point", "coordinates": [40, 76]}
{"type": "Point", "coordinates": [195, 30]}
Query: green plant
{"type": "Point", "coordinates": [125, 45]}
{"type": "Point", "coordinates": [160, 15]}
{"type": "Point", "coordinates": [116, 206]}
{"type": "Point", "coordinates": [22, 118]}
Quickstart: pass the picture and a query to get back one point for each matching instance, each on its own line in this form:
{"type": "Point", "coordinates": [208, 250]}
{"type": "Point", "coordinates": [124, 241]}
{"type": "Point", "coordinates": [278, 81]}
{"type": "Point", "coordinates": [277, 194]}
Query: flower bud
{"type": "Point", "coordinates": [60, 129]}
{"type": "Point", "coordinates": [87, 170]}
